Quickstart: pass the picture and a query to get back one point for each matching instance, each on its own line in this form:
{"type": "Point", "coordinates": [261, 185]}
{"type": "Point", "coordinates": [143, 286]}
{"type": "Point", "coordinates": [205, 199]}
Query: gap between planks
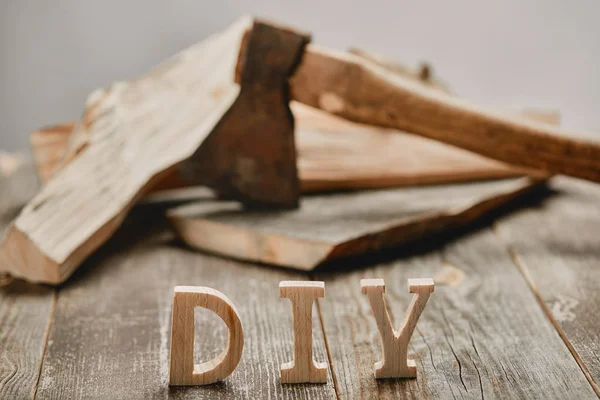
{"type": "Point", "coordinates": [523, 270]}
{"type": "Point", "coordinates": [327, 347]}
{"type": "Point", "coordinates": [53, 302]}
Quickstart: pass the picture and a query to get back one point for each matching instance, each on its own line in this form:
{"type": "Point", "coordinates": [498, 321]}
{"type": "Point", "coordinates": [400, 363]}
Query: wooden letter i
{"type": "Point", "coordinates": [302, 369]}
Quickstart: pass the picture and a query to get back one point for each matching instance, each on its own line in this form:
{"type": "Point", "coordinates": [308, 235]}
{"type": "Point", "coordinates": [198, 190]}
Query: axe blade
{"type": "Point", "coordinates": [250, 155]}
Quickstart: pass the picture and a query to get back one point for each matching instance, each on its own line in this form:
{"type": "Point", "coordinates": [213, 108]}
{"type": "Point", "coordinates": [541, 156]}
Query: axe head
{"type": "Point", "coordinates": [250, 155]}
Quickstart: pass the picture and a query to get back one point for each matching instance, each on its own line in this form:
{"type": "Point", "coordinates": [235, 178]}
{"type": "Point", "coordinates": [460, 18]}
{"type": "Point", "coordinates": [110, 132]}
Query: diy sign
{"type": "Point", "coordinates": [302, 368]}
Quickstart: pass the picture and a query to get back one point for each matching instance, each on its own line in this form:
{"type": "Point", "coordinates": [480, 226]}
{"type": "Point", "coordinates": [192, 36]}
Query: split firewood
{"type": "Point", "coordinates": [339, 225]}
{"type": "Point", "coordinates": [138, 133]}
{"type": "Point", "coordinates": [336, 154]}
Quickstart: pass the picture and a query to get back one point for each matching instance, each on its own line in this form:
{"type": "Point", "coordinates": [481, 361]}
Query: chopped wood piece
{"type": "Point", "coordinates": [302, 369]}
{"type": "Point", "coordinates": [130, 146]}
{"type": "Point", "coordinates": [339, 225]}
{"type": "Point", "coordinates": [183, 371]}
{"type": "Point", "coordinates": [394, 362]}
{"type": "Point", "coordinates": [334, 153]}
{"type": "Point", "coordinates": [48, 146]}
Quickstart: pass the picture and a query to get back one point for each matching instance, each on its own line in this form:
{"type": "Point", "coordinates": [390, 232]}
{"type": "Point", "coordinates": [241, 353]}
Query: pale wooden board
{"type": "Point", "coordinates": [333, 226]}
{"type": "Point", "coordinates": [129, 146]}
{"type": "Point", "coordinates": [481, 335]}
{"type": "Point", "coordinates": [334, 153]}
{"type": "Point", "coordinates": [111, 332]}
{"type": "Point", "coordinates": [25, 310]}
{"type": "Point", "coordinates": [557, 245]}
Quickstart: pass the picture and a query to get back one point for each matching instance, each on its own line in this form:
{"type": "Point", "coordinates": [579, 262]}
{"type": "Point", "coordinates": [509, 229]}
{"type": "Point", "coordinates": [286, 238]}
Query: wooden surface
{"type": "Point", "coordinates": [484, 333]}
{"type": "Point", "coordinates": [25, 310]}
{"type": "Point", "coordinates": [557, 248]}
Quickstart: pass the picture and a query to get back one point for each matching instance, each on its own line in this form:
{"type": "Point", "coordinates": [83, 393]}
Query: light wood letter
{"type": "Point", "coordinates": [395, 363]}
{"type": "Point", "coordinates": [302, 369]}
{"type": "Point", "coordinates": [183, 370]}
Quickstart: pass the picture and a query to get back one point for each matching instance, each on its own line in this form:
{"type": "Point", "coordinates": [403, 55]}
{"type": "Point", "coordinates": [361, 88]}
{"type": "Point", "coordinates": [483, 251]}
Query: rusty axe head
{"type": "Point", "coordinates": [251, 154]}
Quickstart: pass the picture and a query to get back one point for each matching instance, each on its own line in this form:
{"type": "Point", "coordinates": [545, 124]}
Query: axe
{"type": "Point", "coordinates": [251, 156]}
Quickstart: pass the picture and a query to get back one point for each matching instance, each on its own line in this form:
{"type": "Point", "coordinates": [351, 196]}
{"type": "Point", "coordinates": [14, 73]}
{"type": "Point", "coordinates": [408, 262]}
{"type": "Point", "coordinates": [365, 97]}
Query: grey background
{"type": "Point", "coordinates": [507, 53]}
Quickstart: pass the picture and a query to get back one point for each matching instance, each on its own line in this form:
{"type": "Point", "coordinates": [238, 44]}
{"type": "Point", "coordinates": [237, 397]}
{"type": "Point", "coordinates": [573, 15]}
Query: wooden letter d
{"type": "Point", "coordinates": [183, 371]}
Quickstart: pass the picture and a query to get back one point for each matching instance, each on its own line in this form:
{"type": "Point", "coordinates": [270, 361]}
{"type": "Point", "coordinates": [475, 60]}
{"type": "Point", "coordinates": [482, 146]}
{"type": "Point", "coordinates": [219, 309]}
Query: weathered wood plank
{"type": "Point", "coordinates": [557, 246]}
{"type": "Point", "coordinates": [111, 333]}
{"type": "Point", "coordinates": [481, 335]}
{"type": "Point", "coordinates": [25, 310]}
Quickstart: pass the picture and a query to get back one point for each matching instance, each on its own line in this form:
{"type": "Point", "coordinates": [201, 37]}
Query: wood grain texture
{"type": "Point", "coordinates": [25, 310]}
{"type": "Point", "coordinates": [482, 334]}
{"type": "Point", "coordinates": [303, 368]}
{"type": "Point", "coordinates": [361, 91]}
{"type": "Point", "coordinates": [334, 153]}
{"type": "Point", "coordinates": [129, 148]}
{"type": "Point", "coordinates": [557, 246]}
{"type": "Point", "coordinates": [48, 146]}
{"type": "Point", "coordinates": [184, 371]}
{"type": "Point", "coordinates": [110, 336]}
{"type": "Point", "coordinates": [340, 225]}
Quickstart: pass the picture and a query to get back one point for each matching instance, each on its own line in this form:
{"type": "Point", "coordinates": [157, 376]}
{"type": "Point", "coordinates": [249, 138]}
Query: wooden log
{"type": "Point", "coordinates": [130, 147]}
{"type": "Point", "coordinates": [340, 225]}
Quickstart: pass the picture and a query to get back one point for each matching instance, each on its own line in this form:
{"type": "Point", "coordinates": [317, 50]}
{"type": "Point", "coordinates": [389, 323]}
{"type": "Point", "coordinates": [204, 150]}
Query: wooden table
{"type": "Point", "coordinates": [515, 313]}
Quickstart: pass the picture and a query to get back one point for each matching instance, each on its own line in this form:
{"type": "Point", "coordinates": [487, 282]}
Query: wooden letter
{"type": "Point", "coordinates": [183, 370]}
{"type": "Point", "coordinates": [302, 369]}
{"type": "Point", "coordinates": [395, 363]}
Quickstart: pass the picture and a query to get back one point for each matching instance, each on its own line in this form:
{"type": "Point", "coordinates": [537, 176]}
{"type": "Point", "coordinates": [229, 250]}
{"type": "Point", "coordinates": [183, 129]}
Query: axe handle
{"type": "Point", "coordinates": [361, 91]}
